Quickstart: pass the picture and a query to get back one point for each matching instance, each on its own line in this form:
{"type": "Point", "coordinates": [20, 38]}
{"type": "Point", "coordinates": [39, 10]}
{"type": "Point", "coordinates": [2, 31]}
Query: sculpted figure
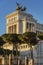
{"type": "Point", "coordinates": [19, 7]}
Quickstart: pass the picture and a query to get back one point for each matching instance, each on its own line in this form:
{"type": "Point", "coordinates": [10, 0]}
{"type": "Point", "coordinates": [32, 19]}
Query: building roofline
{"type": "Point", "coordinates": [39, 23]}
{"type": "Point", "coordinates": [21, 12]}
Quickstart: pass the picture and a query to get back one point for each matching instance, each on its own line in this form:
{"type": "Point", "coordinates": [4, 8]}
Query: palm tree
{"type": "Point", "coordinates": [12, 38]}
{"type": "Point", "coordinates": [31, 39]}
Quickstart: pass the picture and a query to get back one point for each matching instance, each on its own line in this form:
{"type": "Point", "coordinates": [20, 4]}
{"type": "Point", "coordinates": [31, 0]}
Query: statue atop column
{"type": "Point", "coordinates": [19, 7]}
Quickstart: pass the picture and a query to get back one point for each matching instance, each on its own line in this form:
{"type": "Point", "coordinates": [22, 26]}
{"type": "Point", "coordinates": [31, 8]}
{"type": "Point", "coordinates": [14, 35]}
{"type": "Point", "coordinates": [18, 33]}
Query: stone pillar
{"type": "Point", "coordinates": [17, 27]}
{"type": "Point", "coordinates": [19, 61]}
{"type": "Point", "coordinates": [26, 61]}
{"type": "Point", "coordinates": [24, 26]}
{"type": "Point", "coordinates": [2, 60]}
{"type": "Point", "coordinates": [9, 59]}
{"type": "Point", "coordinates": [31, 28]}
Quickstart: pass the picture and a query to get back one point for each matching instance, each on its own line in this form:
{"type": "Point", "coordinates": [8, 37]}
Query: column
{"type": "Point", "coordinates": [2, 60]}
{"type": "Point", "coordinates": [26, 61]}
{"type": "Point", "coordinates": [18, 60]}
{"type": "Point", "coordinates": [9, 59]}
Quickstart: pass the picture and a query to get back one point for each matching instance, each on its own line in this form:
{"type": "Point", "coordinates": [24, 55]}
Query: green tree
{"type": "Point", "coordinates": [2, 42]}
{"type": "Point", "coordinates": [40, 36]}
{"type": "Point", "coordinates": [1, 48]}
{"type": "Point", "coordinates": [31, 39]}
{"type": "Point", "coordinates": [12, 38]}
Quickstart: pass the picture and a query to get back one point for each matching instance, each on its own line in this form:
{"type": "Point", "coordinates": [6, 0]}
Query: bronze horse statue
{"type": "Point", "coordinates": [19, 7]}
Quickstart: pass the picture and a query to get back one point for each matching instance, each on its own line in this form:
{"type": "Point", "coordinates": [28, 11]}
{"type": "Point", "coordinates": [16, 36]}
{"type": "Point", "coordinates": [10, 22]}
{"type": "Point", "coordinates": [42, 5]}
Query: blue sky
{"type": "Point", "coordinates": [35, 7]}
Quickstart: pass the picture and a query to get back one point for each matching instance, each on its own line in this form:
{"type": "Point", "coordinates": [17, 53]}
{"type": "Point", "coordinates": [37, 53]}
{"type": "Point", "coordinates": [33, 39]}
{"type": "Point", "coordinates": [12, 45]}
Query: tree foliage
{"type": "Point", "coordinates": [1, 41]}
{"type": "Point", "coordinates": [40, 36]}
{"type": "Point", "coordinates": [1, 51]}
{"type": "Point", "coordinates": [30, 38]}
{"type": "Point", "coordinates": [14, 39]}
{"type": "Point", "coordinates": [11, 38]}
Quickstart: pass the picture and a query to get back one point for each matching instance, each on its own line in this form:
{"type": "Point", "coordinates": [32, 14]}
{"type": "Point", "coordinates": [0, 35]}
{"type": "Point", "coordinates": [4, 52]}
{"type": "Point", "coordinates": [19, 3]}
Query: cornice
{"type": "Point", "coordinates": [12, 14]}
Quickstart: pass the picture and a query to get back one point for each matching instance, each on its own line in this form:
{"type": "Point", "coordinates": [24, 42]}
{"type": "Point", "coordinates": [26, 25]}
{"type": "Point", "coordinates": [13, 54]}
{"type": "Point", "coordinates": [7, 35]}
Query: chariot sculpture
{"type": "Point", "coordinates": [19, 7]}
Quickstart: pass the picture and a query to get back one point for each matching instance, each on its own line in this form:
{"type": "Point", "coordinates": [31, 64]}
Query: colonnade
{"type": "Point", "coordinates": [7, 60]}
